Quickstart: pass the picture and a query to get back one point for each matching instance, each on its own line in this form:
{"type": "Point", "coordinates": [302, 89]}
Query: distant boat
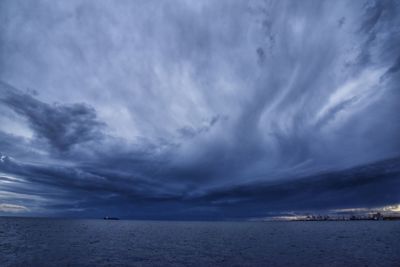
{"type": "Point", "coordinates": [111, 218]}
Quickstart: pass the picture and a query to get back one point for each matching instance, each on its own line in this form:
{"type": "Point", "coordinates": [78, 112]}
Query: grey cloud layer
{"type": "Point", "coordinates": [171, 103]}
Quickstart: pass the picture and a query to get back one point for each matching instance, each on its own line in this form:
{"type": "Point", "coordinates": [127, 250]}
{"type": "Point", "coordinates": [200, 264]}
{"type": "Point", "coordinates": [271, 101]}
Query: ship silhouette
{"type": "Point", "coordinates": [111, 218]}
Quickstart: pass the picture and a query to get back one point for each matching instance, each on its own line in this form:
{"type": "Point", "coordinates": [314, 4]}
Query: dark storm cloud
{"type": "Point", "coordinates": [395, 67]}
{"type": "Point", "coordinates": [84, 187]}
{"type": "Point", "coordinates": [83, 179]}
{"type": "Point", "coordinates": [61, 125]}
{"type": "Point", "coordinates": [224, 109]}
{"type": "Point", "coordinates": [97, 190]}
{"type": "Point", "coordinates": [375, 184]}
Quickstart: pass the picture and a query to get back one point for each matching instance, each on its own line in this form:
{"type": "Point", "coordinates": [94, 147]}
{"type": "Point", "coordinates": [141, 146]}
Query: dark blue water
{"type": "Point", "coordinates": [56, 242]}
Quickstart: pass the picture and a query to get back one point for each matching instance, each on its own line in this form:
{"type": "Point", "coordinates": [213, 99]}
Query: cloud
{"type": "Point", "coordinates": [94, 191]}
{"type": "Point", "coordinates": [61, 125]}
{"type": "Point", "coordinates": [190, 132]}
{"type": "Point", "coordinates": [395, 67]}
{"type": "Point", "coordinates": [12, 208]}
{"type": "Point", "coordinates": [213, 109]}
{"type": "Point", "coordinates": [370, 185]}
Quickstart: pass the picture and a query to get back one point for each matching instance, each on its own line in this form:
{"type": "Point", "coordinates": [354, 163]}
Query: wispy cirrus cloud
{"type": "Point", "coordinates": [4, 207]}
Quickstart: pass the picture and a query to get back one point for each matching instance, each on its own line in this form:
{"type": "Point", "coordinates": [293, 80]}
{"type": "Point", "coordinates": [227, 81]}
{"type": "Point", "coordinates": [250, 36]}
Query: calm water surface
{"type": "Point", "coordinates": [56, 242]}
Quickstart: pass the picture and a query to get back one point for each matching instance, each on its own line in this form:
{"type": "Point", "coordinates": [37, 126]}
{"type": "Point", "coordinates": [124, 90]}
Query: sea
{"type": "Point", "coordinates": [75, 242]}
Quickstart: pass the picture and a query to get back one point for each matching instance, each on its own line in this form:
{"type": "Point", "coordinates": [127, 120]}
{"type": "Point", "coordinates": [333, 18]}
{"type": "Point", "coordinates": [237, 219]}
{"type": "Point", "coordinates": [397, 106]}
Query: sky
{"type": "Point", "coordinates": [205, 110]}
